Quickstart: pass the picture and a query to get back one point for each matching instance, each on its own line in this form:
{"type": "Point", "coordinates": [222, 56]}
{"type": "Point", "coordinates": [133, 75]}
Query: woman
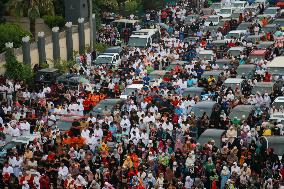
{"type": "Point", "coordinates": [225, 175]}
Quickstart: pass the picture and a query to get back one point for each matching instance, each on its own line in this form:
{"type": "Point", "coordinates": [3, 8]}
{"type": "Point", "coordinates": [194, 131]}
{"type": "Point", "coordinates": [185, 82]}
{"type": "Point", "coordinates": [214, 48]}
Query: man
{"type": "Point", "coordinates": [62, 171]}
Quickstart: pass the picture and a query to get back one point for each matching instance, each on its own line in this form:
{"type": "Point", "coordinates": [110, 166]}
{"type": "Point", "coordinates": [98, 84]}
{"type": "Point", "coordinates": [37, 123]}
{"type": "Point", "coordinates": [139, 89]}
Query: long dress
{"type": "Point", "coordinates": [224, 179]}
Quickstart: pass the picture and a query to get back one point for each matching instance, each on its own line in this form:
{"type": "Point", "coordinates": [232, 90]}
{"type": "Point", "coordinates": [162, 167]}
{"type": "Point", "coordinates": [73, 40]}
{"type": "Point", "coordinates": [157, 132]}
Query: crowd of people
{"type": "Point", "coordinates": [151, 139]}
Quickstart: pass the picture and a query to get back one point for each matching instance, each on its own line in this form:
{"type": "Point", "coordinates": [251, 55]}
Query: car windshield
{"type": "Point", "coordinates": [234, 35]}
{"type": "Point", "coordinates": [216, 6]}
{"type": "Point", "coordinates": [239, 4]}
{"type": "Point", "coordinates": [198, 111]}
{"type": "Point", "coordinates": [212, 19]}
{"type": "Point", "coordinates": [129, 91]}
{"type": "Point", "coordinates": [279, 22]}
{"type": "Point", "coordinates": [270, 11]}
{"type": "Point", "coordinates": [226, 11]}
{"type": "Point", "coordinates": [238, 113]}
{"type": "Point", "coordinates": [137, 42]}
{"type": "Point", "coordinates": [205, 56]}
{"type": "Point", "coordinates": [103, 60]}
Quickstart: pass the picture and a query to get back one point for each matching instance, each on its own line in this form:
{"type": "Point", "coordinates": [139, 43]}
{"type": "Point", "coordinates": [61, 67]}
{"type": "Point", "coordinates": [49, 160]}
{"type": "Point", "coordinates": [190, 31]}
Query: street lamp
{"type": "Point", "coordinates": [91, 25]}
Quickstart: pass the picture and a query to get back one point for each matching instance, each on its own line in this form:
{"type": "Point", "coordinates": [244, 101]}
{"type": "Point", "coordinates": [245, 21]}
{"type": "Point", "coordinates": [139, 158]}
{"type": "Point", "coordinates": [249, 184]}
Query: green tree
{"type": "Point", "coordinates": [16, 70]}
{"type": "Point", "coordinates": [32, 9]}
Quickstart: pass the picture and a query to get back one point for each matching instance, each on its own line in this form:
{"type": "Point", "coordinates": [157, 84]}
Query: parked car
{"type": "Point", "coordinates": [259, 54]}
{"type": "Point", "coordinates": [205, 107]}
{"type": "Point", "coordinates": [246, 70]}
{"type": "Point", "coordinates": [214, 20]}
{"type": "Point", "coordinates": [274, 12]}
{"type": "Point", "coordinates": [46, 76]}
{"type": "Point", "coordinates": [241, 112]}
{"type": "Point", "coordinates": [130, 89]}
{"type": "Point", "coordinates": [274, 142]}
{"type": "Point", "coordinates": [279, 101]}
{"type": "Point", "coordinates": [107, 106]}
{"type": "Point", "coordinates": [276, 66]}
{"type": "Point", "coordinates": [193, 91]}
{"type": "Point", "coordinates": [236, 51]}
{"type": "Point", "coordinates": [211, 134]}
{"type": "Point", "coordinates": [263, 87]}
{"type": "Point", "coordinates": [112, 59]}
{"type": "Point", "coordinates": [234, 83]}
{"type": "Point", "coordinates": [226, 12]}
{"type": "Point", "coordinates": [216, 7]}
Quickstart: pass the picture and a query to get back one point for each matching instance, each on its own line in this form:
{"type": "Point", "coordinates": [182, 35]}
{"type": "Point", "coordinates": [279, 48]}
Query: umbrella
{"type": "Point", "coordinates": [165, 26]}
{"type": "Point", "coordinates": [278, 34]}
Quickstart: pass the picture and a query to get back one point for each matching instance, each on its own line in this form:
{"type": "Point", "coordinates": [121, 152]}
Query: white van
{"type": "Point", "coordinates": [108, 59]}
{"type": "Point", "coordinates": [130, 89]}
{"type": "Point", "coordinates": [144, 38]}
{"type": "Point", "coordinates": [276, 66]}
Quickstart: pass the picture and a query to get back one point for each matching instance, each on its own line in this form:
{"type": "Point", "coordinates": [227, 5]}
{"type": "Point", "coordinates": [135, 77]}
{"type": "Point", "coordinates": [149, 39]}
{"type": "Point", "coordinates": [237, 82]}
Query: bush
{"type": "Point", "coordinates": [11, 33]}
{"type": "Point", "coordinates": [133, 6]}
{"type": "Point", "coordinates": [100, 47]}
{"type": "Point", "coordinates": [54, 21]}
{"type": "Point", "coordinates": [16, 70]}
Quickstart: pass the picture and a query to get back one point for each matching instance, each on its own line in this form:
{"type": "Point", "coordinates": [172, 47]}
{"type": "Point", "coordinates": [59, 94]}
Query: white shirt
{"type": "Point", "coordinates": [63, 171]}
{"type": "Point", "coordinates": [8, 169]}
{"type": "Point", "coordinates": [15, 132]}
{"type": "Point", "coordinates": [85, 133]}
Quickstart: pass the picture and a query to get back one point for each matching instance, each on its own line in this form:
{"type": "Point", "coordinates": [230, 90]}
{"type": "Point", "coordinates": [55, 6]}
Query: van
{"type": "Point", "coordinates": [108, 59]}
{"type": "Point", "coordinates": [144, 38]}
{"type": "Point", "coordinates": [276, 66]}
{"type": "Point", "coordinates": [205, 107]}
{"type": "Point", "coordinates": [234, 83]}
{"type": "Point", "coordinates": [263, 87]}
{"type": "Point", "coordinates": [133, 88]}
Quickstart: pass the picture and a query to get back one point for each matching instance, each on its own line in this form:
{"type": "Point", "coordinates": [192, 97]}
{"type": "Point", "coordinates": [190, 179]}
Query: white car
{"type": "Point", "coordinates": [238, 34]}
{"type": "Point", "coordinates": [226, 12]}
{"type": "Point", "coordinates": [214, 19]}
{"type": "Point", "coordinates": [108, 59]}
{"type": "Point", "coordinates": [130, 89]}
{"type": "Point", "coordinates": [272, 11]}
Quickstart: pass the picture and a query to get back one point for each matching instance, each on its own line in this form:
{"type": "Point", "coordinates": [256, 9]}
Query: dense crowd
{"type": "Point", "coordinates": [150, 140]}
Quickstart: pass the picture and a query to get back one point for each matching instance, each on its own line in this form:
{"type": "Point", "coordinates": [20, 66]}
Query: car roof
{"type": "Point", "coordinates": [279, 99]}
{"type": "Point", "coordinates": [233, 80]}
{"type": "Point", "coordinates": [48, 70]}
{"type": "Point", "coordinates": [135, 86]}
{"type": "Point", "coordinates": [264, 84]}
{"type": "Point", "coordinates": [205, 104]}
{"type": "Point", "coordinates": [256, 52]}
{"type": "Point", "coordinates": [213, 132]}
{"type": "Point", "coordinates": [236, 48]}
{"type": "Point", "coordinates": [276, 62]}
{"type": "Point", "coordinates": [194, 89]}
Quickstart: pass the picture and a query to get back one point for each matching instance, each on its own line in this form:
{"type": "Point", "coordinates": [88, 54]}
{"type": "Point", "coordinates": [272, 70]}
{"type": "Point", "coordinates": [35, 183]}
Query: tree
{"type": "Point", "coordinates": [32, 9]}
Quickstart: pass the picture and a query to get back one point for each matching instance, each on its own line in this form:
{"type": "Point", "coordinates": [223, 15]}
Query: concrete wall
{"type": "Point", "coordinates": [48, 48]}
{"type": "Point", "coordinates": [25, 23]}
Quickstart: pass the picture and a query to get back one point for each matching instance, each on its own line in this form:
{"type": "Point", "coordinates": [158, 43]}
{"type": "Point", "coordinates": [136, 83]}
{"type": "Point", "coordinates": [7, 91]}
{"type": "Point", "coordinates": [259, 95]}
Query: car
{"type": "Point", "coordinates": [192, 18]}
{"type": "Point", "coordinates": [4, 149]}
{"type": "Point", "coordinates": [241, 112]}
{"type": "Point", "coordinates": [193, 91]}
{"type": "Point", "coordinates": [71, 81]}
{"type": "Point", "coordinates": [236, 14]}
{"type": "Point", "coordinates": [219, 43]}
{"type": "Point", "coordinates": [211, 134]}
{"type": "Point", "coordinates": [205, 107]}
{"type": "Point", "coordinates": [116, 49]}
{"type": "Point", "coordinates": [207, 11]}
{"type": "Point", "coordinates": [238, 34]}
{"type": "Point", "coordinates": [234, 83]}
{"type": "Point", "coordinates": [130, 89]}
{"type": "Point", "coordinates": [265, 44]}
{"type": "Point", "coordinates": [216, 7]}
{"type": "Point", "coordinates": [259, 54]}
{"type": "Point", "coordinates": [272, 11]}
{"type": "Point", "coordinates": [263, 87]}
{"type": "Point", "coordinates": [191, 39]}
{"type": "Point", "coordinates": [244, 26]}
{"type": "Point", "coordinates": [156, 74]}
{"type": "Point", "coordinates": [274, 142]}
{"type": "Point", "coordinates": [276, 66]}
{"type": "Point", "coordinates": [254, 9]}
{"type": "Point", "coordinates": [112, 59]}
{"type": "Point", "coordinates": [226, 12]}
{"type": "Point", "coordinates": [279, 101]}
{"type": "Point", "coordinates": [269, 28]}
{"type": "Point", "coordinates": [260, 17]}
{"type": "Point", "coordinates": [254, 38]}
{"type": "Point", "coordinates": [120, 24]}
{"type": "Point", "coordinates": [214, 73]}
{"type": "Point", "coordinates": [176, 63]}
{"type": "Point", "coordinates": [46, 76]}
{"type": "Point", "coordinates": [206, 55]}
{"type": "Point", "coordinates": [279, 22]}
{"type": "Point", "coordinates": [236, 51]}
{"type": "Point", "coordinates": [246, 70]}
{"type": "Point", "coordinates": [240, 4]}
{"type": "Point", "coordinates": [222, 62]}
{"type": "Point", "coordinates": [107, 106]}
{"type": "Point", "coordinates": [214, 20]}
{"type": "Point", "coordinates": [143, 38]}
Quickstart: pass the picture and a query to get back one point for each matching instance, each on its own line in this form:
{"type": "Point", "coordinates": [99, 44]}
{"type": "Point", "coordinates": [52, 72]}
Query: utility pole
{"type": "Point", "coordinates": [91, 25]}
